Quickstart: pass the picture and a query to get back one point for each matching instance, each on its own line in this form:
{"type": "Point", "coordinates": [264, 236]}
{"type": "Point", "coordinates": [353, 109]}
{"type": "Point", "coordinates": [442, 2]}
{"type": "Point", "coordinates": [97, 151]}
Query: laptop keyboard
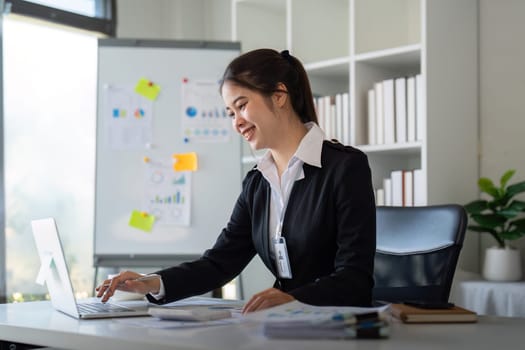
{"type": "Point", "coordinates": [93, 308]}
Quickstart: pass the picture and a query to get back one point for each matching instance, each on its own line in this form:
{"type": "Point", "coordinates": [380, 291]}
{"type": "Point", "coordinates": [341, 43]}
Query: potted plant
{"type": "Point", "coordinates": [501, 216]}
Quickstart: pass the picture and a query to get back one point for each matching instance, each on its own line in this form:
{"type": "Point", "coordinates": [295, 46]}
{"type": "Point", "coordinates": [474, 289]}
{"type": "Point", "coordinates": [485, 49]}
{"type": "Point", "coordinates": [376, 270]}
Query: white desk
{"type": "Point", "coordinates": [493, 298]}
{"type": "Point", "coordinates": [37, 323]}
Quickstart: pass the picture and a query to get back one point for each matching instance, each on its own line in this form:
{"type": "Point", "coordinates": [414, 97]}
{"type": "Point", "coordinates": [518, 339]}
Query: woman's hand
{"type": "Point", "coordinates": [267, 298]}
{"type": "Point", "coordinates": [127, 282]}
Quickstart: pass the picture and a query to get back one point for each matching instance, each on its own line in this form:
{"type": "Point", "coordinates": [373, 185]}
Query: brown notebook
{"type": "Point", "coordinates": [411, 314]}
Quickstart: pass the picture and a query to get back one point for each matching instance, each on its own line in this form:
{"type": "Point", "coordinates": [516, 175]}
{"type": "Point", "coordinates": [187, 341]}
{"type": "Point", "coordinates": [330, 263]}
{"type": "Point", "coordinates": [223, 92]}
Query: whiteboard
{"type": "Point", "coordinates": [122, 174]}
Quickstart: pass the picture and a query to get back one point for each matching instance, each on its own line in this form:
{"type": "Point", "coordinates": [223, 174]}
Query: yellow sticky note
{"type": "Point", "coordinates": [141, 220]}
{"type": "Point", "coordinates": [185, 161]}
{"type": "Point", "coordinates": [147, 88]}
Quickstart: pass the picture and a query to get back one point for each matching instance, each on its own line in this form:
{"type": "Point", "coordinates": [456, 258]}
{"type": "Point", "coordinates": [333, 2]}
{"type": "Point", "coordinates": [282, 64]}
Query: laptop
{"type": "Point", "coordinates": [55, 273]}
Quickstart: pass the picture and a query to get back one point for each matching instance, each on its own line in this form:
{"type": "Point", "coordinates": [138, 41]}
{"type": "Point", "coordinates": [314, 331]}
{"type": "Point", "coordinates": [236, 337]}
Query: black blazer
{"type": "Point", "coordinates": [329, 226]}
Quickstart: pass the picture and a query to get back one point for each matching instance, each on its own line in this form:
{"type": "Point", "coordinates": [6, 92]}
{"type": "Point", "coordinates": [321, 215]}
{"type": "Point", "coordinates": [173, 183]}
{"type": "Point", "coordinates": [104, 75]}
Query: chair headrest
{"type": "Point", "coordinates": [415, 230]}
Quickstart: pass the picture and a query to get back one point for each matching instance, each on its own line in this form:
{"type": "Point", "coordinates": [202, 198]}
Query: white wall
{"type": "Point", "coordinates": [502, 92]}
{"type": "Point", "coordinates": [174, 19]}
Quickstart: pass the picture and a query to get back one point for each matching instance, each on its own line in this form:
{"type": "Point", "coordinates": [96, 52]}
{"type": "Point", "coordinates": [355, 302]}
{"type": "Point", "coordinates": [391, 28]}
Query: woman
{"type": "Point", "coordinates": [307, 208]}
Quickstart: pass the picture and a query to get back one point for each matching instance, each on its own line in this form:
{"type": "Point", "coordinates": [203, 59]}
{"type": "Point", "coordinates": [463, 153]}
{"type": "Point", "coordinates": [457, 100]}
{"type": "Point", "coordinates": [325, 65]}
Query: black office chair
{"type": "Point", "coordinates": [417, 252]}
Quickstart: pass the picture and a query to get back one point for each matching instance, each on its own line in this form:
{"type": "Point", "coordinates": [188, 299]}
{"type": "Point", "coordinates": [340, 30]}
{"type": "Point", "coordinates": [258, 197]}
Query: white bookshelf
{"type": "Point", "coordinates": [348, 45]}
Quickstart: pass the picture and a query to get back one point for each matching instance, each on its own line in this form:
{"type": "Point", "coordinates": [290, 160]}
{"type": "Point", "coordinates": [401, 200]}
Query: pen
{"type": "Point", "coordinates": [142, 278]}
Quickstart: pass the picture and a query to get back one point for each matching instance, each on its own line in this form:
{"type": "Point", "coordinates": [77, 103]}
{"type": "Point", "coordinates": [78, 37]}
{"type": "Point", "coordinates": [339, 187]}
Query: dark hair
{"type": "Point", "coordinates": [262, 70]}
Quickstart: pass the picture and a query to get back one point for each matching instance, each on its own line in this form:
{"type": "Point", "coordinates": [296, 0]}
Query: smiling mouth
{"type": "Point", "coordinates": [248, 133]}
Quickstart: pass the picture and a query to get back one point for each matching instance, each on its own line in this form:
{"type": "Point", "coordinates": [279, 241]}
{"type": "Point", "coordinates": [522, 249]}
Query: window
{"type": "Point", "coordinates": [92, 15]}
{"type": "Point", "coordinates": [49, 148]}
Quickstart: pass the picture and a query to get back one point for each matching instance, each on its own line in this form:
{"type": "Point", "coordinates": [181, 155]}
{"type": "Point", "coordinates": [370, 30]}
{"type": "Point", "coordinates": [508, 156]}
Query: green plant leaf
{"type": "Point", "coordinates": [518, 224]}
{"type": "Point", "coordinates": [508, 213]}
{"type": "Point", "coordinates": [516, 188]}
{"type": "Point", "coordinates": [517, 205]}
{"type": "Point", "coordinates": [505, 178]}
{"type": "Point", "coordinates": [512, 235]}
{"type": "Point", "coordinates": [489, 220]}
{"type": "Point", "coordinates": [476, 207]}
{"type": "Point", "coordinates": [500, 202]}
{"type": "Point", "coordinates": [486, 185]}
{"type": "Point", "coordinates": [514, 209]}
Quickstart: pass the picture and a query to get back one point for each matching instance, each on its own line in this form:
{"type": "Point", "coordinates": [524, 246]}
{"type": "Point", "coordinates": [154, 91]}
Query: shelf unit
{"type": "Point", "coordinates": [348, 45]}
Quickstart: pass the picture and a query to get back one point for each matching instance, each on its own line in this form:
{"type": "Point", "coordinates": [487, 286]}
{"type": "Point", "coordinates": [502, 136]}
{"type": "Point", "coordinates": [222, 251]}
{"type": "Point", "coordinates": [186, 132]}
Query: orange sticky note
{"type": "Point", "coordinates": [147, 89]}
{"type": "Point", "coordinates": [185, 161]}
{"type": "Point", "coordinates": [141, 220]}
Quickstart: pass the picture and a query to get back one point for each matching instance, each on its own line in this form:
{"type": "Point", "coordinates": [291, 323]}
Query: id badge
{"type": "Point", "coordinates": [281, 258]}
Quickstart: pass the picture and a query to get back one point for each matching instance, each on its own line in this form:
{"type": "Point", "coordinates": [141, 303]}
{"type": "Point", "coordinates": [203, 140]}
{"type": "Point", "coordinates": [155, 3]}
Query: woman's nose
{"type": "Point", "coordinates": [238, 121]}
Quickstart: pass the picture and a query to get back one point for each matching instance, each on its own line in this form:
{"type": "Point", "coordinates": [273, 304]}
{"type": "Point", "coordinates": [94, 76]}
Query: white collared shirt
{"type": "Point", "coordinates": [309, 152]}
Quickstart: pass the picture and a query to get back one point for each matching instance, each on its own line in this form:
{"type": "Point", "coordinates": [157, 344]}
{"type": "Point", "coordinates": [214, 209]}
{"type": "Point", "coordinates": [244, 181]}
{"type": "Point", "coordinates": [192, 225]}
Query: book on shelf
{"type": "Point", "coordinates": [318, 103]}
{"type": "Point", "coordinates": [327, 104]}
{"type": "Point", "coordinates": [380, 118]}
{"type": "Point", "coordinates": [408, 188]}
{"type": "Point", "coordinates": [412, 314]}
{"type": "Point", "coordinates": [380, 197]}
{"type": "Point", "coordinates": [371, 113]}
{"type": "Point", "coordinates": [332, 116]}
{"type": "Point", "coordinates": [339, 118]}
{"type": "Point", "coordinates": [420, 197]}
{"type": "Point", "coordinates": [397, 188]}
{"type": "Point", "coordinates": [401, 109]}
{"type": "Point", "coordinates": [389, 112]}
{"type": "Point", "coordinates": [346, 118]}
{"type": "Point", "coordinates": [387, 187]}
{"type": "Point", "coordinates": [420, 108]}
{"type": "Point", "coordinates": [411, 109]}
{"type": "Point", "coordinates": [404, 188]}
{"type": "Point", "coordinates": [396, 111]}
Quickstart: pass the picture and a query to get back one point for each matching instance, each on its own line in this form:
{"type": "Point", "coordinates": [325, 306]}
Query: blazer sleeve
{"type": "Point", "coordinates": [351, 281]}
{"type": "Point", "coordinates": [232, 251]}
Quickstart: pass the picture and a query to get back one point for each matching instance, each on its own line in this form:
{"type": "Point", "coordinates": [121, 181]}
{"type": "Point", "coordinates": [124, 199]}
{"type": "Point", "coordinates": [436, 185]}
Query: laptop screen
{"type": "Point", "coordinates": [54, 268]}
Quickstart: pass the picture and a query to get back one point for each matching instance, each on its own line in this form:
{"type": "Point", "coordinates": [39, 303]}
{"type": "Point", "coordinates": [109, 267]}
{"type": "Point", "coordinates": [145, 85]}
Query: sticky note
{"type": "Point", "coordinates": [185, 161]}
{"type": "Point", "coordinates": [147, 88]}
{"type": "Point", "coordinates": [141, 220]}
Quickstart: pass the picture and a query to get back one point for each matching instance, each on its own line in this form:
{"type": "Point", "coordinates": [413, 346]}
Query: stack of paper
{"type": "Point", "coordinates": [339, 326]}
{"type": "Point", "coordinates": [299, 320]}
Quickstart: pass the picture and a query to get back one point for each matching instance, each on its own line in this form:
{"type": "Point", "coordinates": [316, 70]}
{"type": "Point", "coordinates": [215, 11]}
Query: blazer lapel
{"type": "Point", "coordinates": [264, 237]}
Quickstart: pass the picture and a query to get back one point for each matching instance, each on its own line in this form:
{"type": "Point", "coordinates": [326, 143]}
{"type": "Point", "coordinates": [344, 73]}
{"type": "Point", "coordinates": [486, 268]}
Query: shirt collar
{"type": "Point", "coordinates": [309, 150]}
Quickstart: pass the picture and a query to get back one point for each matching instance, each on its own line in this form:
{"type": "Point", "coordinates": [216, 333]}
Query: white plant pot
{"type": "Point", "coordinates": [502, 264]}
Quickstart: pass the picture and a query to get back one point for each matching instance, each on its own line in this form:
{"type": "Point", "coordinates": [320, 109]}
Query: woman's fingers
{"type": "Point", "coordinates": [108, 287]}
{"type": "Point", "coordinates": [267, 298]}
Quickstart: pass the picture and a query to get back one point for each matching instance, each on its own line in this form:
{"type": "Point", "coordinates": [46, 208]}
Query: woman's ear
{"type": "Point", "coordinates": [280, 96]}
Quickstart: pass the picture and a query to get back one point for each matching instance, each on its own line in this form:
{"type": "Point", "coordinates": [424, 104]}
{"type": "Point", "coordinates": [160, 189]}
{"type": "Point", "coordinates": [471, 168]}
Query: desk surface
{"type": "Point", "coordinates": [37, 323]}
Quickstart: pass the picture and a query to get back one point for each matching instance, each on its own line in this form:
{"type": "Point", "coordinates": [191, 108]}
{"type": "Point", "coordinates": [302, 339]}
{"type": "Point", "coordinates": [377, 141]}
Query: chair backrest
{"type": "Point", "coordinates": [417, 252]}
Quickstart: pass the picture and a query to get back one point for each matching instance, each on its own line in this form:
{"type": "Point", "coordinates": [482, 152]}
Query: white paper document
{"type": "Point", "coordinates": [297, 311]}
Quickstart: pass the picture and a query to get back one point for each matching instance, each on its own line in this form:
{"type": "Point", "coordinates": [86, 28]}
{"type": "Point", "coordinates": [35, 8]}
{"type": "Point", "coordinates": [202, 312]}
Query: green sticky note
{"type": "Point", "coordinates": [147, 88]}
{"type": "Point", "coordinates": [141, 220]}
